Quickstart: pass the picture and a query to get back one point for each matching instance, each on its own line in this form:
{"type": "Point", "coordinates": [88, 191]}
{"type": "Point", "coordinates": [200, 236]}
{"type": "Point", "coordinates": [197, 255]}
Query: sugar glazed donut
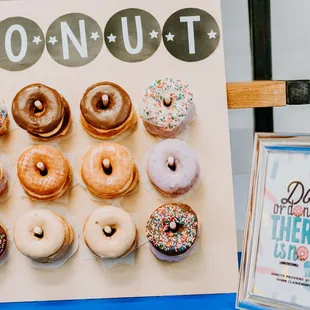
{"type": "Point", "coordinates": [173, 167]}
{"type": "Point", "coordinates": [41, 111]}
{"type": "Point", "coordinates": [3, 240]}
{"type": "Point", "coordinates": [109, 171]}
{"type": "Point", "coordinates": [3, 179]}
{"type": "Point", "coordinates": [43, 236]}
{"type": "Point", "coordinates": [172, 230]}
{"type": "Point", "coordinates": [107, 111]}
{"type": "Point", "coordinates": [4, 118]}
{"type": "Point", "coordinates": [167, 108]}
{"type": "Point", "coordinates": [110, 232]}
{"type": "Point", "coordinates": [43, 172]}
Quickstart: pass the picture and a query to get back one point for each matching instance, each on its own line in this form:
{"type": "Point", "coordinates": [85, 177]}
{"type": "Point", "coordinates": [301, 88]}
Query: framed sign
{"type": "Point", "coordinates": [275, 271]}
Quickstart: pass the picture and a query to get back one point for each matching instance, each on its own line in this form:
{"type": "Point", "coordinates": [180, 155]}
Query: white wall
{"type": "Point", "coordinates": [239, 68]}
{"type": "Point", "coordinates": [290, 58]}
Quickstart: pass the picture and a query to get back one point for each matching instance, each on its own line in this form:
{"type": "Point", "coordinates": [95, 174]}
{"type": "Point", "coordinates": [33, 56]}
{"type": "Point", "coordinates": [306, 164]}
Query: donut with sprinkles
{"type": "Point", "coordinates": [172, 230]}
{"type": "Point", "coordinates": [3, 240]}
{"type": "Point", "coordinates": [167, 108]}
{"type": "Point", "coordinates": [4, 118]}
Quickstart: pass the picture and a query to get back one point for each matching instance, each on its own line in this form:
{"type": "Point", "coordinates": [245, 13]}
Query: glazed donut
{"type": "Point", "coordinates": [3, 179]}
{"type": "Point", "coordinates": [4, 118]}
{"type": "Point", "coordinates": [167, 108]}
{"type": "Point", "coordinates": [109, 171]}
{"type": "Point", "coordinates": [172, 230]}
{"type": "Point", "coordinates": [43, 236]}
{"type": "Point", "coordinates": [107, 111]}
{"type": "Point", "coordinates": [3, 240]}
{"type": "Point", "coordinates": [43, 172]}
{"type": "Point", "coordinates": [110, 232]}
{"type": "Point", "coordinates": [172, 167]}
{"type": "Point", "coordinates": [41, 111]}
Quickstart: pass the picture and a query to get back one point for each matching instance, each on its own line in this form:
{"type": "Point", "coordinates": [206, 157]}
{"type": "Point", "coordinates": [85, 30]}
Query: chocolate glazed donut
{"type": "Point", "coordinates": [106, 110]}
{"type": "Point", "coordinates": [41, 111]}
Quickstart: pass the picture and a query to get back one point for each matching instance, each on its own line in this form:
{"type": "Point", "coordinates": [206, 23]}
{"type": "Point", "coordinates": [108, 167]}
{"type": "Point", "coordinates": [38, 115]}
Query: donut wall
{"type": "Point", "coordinates": [115, 175]}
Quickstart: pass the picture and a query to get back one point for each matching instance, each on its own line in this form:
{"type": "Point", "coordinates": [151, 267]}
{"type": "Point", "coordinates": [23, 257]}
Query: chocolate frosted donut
{"type": "Point", "coordinates": [106, 110]}
{"type": "Point", "coordinates": [41, 111]}
{"type": "Point", "coordinates": [172, 230]}
{"type": "Point", "coordinates": [3, 240]}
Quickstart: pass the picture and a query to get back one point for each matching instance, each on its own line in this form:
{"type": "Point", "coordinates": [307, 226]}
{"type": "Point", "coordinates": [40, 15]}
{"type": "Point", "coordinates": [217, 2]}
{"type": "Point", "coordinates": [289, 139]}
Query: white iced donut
{"type": "Point", "coordinates": [173, 167]}
{"type": "Point", "coordinates": [167, 108]}
{"type": "Point", "coordinates": [42, 235]}
{"type": "Point", "coordinates": [110, 232]}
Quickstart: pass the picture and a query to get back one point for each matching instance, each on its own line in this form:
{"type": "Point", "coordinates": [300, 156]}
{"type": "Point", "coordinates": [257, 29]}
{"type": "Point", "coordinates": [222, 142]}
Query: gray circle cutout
{"type": "Point", "coordinates": [23, 43]}
{"type": "Point", "coordinates": [132, 35]}
{"type": "Point", "coordinates": [191, 34]}
{"type": "Point", "coordinates": [74, 40]}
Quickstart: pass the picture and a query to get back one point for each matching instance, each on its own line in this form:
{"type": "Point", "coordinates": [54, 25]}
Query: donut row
{"type": "Point", "coordinates": [108, 170]}
{"type": "Point", "coordinates": [109, 232]}
{"type": "Point", "coordinates": [166, 109]}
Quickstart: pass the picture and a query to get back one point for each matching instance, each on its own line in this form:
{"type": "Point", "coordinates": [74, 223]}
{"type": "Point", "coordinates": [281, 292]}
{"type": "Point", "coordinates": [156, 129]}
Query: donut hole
{"type": "Point", "coordinates": [107, 170]}
{"type": "Point", "coordinates": [43, 172]}
{"type": "Point", "coordinates": [39, 236]}
{"type": "Point", "coordinates": [178, 228]}
{"type": "Point", "coordinates": [113, 230]}
{"type": "Point", "coordinates": [172, 167]}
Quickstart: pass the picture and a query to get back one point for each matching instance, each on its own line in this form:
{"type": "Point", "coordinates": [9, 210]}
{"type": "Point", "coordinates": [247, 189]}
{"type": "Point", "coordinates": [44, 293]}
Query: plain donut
{"type": "Point", "coordinates": [123, 239]}
{"type": "Point", "coordinates": [57, 235]}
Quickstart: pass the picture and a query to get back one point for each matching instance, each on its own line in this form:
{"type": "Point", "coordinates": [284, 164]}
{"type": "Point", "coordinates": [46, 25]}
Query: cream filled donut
{"type": "Point", "coordinates": [43, 236]}
{"type": "Point", "coordinates": [3, 179]}
{"type": "Point", "coordinates": [4, 118]}
{"type": "Point", "coordinates": [107, 111]}
{"type": "Point", "coordinates": [41, 111]}
{"type": "Point", "coordinates": [172, 230]}
{"type": "Point", "coordinates": [173, 167]}
{"type": "Point", "coordinates": [167, 108]}
{"type": "Point", "coordinates": [108, 170]}
{"type": "Point", "coordinates": [43, 172]}
{"type": "Point", "coordinates": [110, 232]}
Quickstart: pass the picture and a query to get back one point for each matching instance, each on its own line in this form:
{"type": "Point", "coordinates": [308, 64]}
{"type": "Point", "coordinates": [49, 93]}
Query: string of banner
{"type": "Point", "coordinates": [131, 35]}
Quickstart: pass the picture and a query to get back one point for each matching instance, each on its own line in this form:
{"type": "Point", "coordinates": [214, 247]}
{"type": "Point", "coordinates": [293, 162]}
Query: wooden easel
{"type": "Point", "coordinates": [260, 94]}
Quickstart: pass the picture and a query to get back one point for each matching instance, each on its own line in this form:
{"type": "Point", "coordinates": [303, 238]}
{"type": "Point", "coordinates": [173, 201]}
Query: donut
{"type": "Point", "coordinates": [43, 172]}
{"type": "Point", "coordinates": [41, 111]}
{"type": "Point", "coordinates": [4, 118]}
{"type": "Point", "coordinates": [110, 232]}
{"type": "Point", "coordinates": [109, 171]}
{"type": "Point", "coordinates": [172, 167]}
{"type": "Point", "coordinates": [298, 211]}
{"type": "Point", "coordinates": [43, 236]}
{"type": "Point", "coordinates": [107, 111]}
{"type": "Point", "coordinates": [302, 253]}
{"type": "Point", "coordinates": [167, 108]}
{"type": "Point", "coordinates": [3, 179]}
{"type": "Point", "coordinates": [172, 230]}
{"type": "Point", "coordinates": [3, 240]}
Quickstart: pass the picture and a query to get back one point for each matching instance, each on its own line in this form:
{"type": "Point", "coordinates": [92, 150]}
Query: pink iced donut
{"type": "Point", "coordinates": [298, 210]}
{"type": "Point", "coordinates": [172, 167]}
{"type": "Point", "coordinates": [167, 108]}
{"type": "Point", "coordinates": [302, 253]}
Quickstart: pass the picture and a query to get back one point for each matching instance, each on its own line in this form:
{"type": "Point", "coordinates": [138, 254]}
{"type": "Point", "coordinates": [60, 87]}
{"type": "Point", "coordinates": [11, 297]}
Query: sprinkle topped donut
{"type": "Point", "coordinates": [172, 230]}
{"type": "Point", "coordinates": [4, 119]}
{"type": "Point", "coordinates": [167, 108]}
{"type": "Point", "coordinates": [3, 240]}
